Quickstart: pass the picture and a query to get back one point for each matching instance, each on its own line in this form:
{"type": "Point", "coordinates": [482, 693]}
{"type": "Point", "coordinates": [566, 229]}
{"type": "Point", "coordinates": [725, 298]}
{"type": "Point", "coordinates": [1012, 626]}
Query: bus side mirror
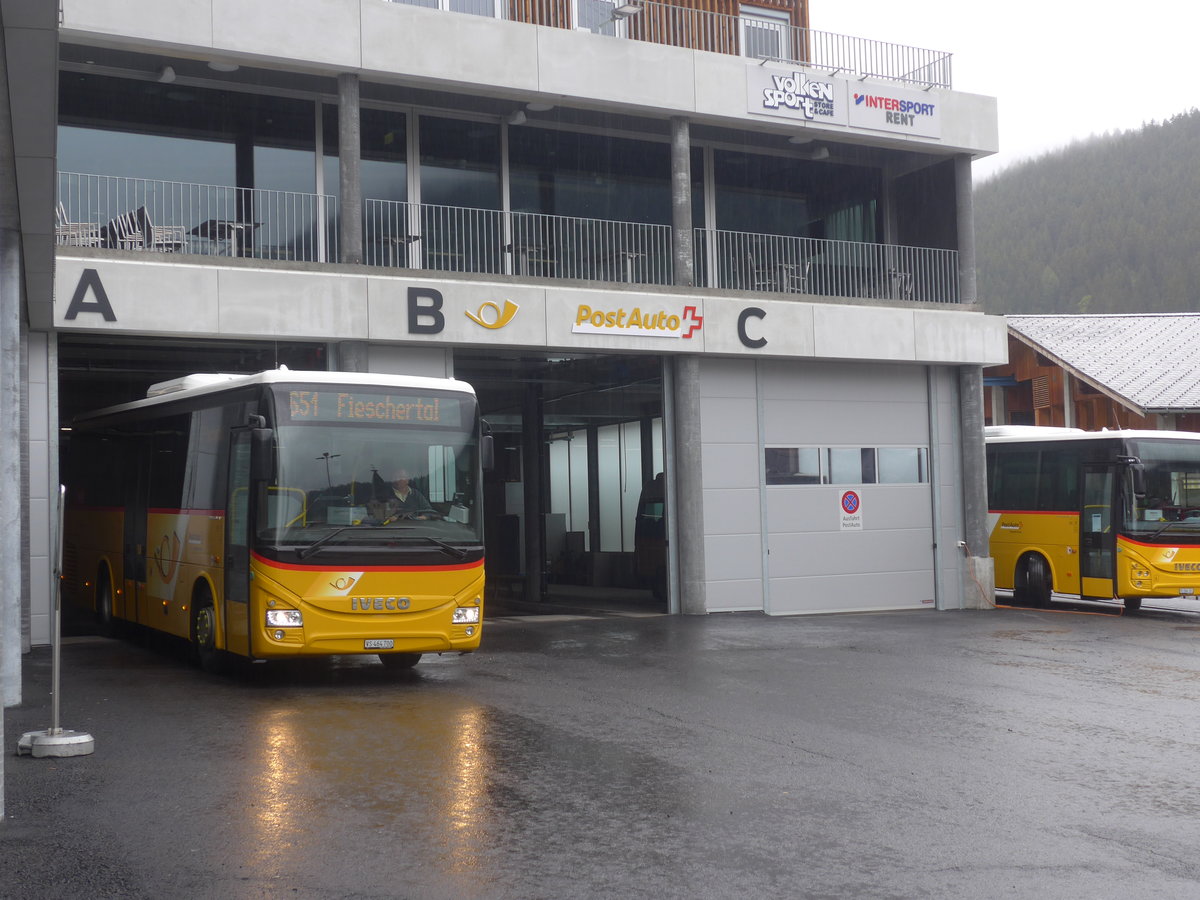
{"type": "Point", "coordinates": [1138, 472]}
{"type": "Point", "coordinates": [262, 454]}
{"type": "Point", "coordinates": [487, 453]}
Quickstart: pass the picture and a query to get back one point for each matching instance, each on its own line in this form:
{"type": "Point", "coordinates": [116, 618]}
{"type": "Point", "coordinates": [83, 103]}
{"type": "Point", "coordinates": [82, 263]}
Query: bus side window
{"type": "Point", "coordinates": [1016, 479]}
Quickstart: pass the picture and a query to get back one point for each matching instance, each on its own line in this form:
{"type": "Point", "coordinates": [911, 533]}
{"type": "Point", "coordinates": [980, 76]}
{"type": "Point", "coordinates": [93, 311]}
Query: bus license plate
{"type": "Point", "coordinates": [379, 644]}
{"type": "Point", "coordinates": [1187, 592]}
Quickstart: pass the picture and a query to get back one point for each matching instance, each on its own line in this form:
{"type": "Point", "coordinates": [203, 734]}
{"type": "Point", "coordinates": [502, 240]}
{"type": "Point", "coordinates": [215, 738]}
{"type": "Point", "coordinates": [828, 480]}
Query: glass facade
{"type": "Point", "coordinates": [236, 172]}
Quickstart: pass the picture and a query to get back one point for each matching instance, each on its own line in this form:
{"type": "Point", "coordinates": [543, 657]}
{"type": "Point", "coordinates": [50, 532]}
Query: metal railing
{"type": "Point", "coordinates": [165, 216]}
{"type": "Point", "coordinates": [458, 239]}
{"type": "Point", "coordinates": [172, 216]}
{"type": "Point", "coordinates": [744, 261]}
{"type": "Point", "coordinates": [695, 29]}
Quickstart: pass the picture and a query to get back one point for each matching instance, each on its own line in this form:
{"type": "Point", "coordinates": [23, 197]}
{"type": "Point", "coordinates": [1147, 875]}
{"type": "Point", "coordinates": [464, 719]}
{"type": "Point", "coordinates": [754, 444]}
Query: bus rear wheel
{"type": "Point", "coordinates": [104, 605]}
{"type": "Point", "coordinates": [398, 662]}
{"type": "Point", "coordinates": [1032, 584]}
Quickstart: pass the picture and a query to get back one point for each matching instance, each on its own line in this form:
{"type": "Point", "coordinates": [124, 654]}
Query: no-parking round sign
{"type": "Point", "coordinates": [851, 511]}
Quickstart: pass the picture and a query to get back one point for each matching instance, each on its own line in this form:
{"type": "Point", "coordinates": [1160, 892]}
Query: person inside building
{"type": "Point", "coordinates": [398, 499]}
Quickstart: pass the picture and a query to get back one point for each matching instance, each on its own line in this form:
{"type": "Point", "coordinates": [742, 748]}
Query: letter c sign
{"type": "Point", "coordinates": [748, 313]}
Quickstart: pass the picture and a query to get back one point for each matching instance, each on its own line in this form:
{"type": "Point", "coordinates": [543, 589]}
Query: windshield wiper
{"type": "Point", "coordinates": [1191, 526]}
{"type": "Point", "coordinates": [303, 552]}
{"type": "Point", "coordinates": [456, 552]}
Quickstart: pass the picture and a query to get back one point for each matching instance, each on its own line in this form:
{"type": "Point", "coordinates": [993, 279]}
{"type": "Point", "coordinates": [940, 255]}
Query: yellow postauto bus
{"type": "Point", "coordinates": [265, 516]}
{"type": "Point", "coordinates": [1099, 516]}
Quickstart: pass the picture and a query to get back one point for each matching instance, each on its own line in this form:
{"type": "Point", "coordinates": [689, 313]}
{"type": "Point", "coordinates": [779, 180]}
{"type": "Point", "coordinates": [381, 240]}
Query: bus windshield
{"type": "Point", "coordinates": [341, 484]}
{"type": "Point", "coordinates": [1170, 504]}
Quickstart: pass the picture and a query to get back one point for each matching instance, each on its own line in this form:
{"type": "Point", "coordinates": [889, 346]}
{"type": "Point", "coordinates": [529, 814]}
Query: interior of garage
{"type": "Point", "coordinates": [574, 507]}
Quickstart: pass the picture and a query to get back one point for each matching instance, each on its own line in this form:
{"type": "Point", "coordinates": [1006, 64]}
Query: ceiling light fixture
{"type": "Point", "coordinates": [517, 118]}
{"type": "Point", "coordinates": [166, 74]}
{"type": "Point", "coordinates": [800, 139]}
{"type": "Point", "coordinates": [626, 10]}
{"type": "Point", "coordinates": [223, 66]}
{"type": "Point", "coordinates": [539, 106]}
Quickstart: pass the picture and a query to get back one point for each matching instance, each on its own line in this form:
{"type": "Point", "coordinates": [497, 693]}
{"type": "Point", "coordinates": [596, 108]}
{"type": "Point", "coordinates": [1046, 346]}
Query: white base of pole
{"type": "Point", "coordinates": [56, 742]}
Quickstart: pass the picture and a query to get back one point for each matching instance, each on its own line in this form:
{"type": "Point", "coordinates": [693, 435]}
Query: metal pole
{"type": "Point", "coordinates": [56, 741]}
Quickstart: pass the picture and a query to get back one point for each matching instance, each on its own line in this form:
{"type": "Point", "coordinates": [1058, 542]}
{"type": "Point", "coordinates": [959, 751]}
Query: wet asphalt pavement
{"type": "Point", "coordinates": [1009, 753]}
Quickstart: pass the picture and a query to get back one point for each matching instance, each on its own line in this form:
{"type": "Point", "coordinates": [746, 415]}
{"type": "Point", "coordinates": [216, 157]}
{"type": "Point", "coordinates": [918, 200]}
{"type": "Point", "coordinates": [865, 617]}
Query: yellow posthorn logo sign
{"type": "Point", "coordinates": [490, 315]}
{"type": "Point", "coordinates": [637, 321]}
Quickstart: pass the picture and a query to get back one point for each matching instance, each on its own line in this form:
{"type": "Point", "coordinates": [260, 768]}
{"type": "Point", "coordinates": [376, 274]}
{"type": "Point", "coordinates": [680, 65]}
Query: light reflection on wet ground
{"type": "Point", "coordinates": [977, 754]}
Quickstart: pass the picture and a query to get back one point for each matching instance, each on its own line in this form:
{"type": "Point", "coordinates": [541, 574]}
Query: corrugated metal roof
{"type": "Point", "coordinates": [1151, 360]}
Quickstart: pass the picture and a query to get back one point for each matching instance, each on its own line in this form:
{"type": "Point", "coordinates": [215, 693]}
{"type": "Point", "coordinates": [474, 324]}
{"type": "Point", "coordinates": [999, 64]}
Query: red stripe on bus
{"type": "Point", "coordinates": [1034, 512]}
{"type": "Point", "coordinates": [300, 567]}
{"type": "Point", "coordinates": [1155, 546]}
{"type": "Point", "coordinates": [186, 512]}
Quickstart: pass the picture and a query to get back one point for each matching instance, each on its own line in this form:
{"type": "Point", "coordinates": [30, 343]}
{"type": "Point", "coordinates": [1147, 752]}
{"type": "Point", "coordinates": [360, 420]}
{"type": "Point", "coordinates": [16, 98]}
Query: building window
{"type": "Point", "coordinates": [489, 8]}
{"type": "Point", "coordinates": [765, 34]}
{"type": "Point", "coordinates": [597, 17]}
{"type": "Point", "coordinates": [846, 465]}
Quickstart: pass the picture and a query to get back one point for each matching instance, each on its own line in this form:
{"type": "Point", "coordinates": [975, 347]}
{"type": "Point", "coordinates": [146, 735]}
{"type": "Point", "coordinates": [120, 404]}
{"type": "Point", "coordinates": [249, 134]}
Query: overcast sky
{"type": "Point", "coordinates": [1061, 70]}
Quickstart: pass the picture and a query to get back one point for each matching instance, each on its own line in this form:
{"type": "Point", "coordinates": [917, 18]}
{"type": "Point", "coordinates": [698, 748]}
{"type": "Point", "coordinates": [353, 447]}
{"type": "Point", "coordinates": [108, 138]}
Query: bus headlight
{"type": "Point", "coordinates": [466, 615]}
{"type": "Point", "coordinates": [284, 618]}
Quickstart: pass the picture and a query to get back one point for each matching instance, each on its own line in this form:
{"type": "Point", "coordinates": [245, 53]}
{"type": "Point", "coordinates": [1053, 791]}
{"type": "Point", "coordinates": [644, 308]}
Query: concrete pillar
{"type": "Point", "coordinates": [689, 488]}
{"type": "Point", "coordinates": [533, 450]}
{"type": "Point", "coordinates": [681, 202]}
{"type": "Point", "coordinates": [685, 468]}
{"type": "Point", "coordinates": [12, 563]}
{"type": "Point", "coordinates": [350, 234]}
{"type": "Point", "coordinates": [979, 580]}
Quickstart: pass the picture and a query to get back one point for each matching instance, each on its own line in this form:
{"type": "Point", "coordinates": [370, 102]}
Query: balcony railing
{"type": "Point", "coordinates": [756, 37]}
{"type": "Point", "coordinates": [738, 260]}
{"type": "Point", "coordinates": [164, 216]}
{"type": "Point", "coordinates": [456, 239]}
{"type": "Point", "coordinates": [172, 216]}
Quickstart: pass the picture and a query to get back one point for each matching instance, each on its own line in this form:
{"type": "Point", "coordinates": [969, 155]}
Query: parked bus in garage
{"type": "Point", "coordinates": [1094, 515]}
{"type": "Point", "coordinates": [258, 515]}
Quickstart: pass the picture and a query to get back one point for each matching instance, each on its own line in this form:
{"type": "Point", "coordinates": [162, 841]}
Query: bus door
{"type": "Point", "coordinates": [235, 613]}
{"type": "Point", "coordinates": [133, 562]}
{"type": "Point", "coordinates": [1098, 536]}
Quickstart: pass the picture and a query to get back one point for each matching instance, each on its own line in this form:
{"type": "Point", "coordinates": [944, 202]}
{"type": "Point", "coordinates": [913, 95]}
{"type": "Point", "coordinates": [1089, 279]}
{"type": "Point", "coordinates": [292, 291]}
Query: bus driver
{"type": "Point", "coordinates": [400, 500]}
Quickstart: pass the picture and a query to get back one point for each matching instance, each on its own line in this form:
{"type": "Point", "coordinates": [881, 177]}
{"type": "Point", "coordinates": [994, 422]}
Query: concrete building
{"type": "Point", "coordinates": [657, 239]}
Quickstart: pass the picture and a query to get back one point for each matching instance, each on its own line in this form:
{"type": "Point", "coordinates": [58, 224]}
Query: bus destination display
{"type": "Point", "coordinates": [366, 408]}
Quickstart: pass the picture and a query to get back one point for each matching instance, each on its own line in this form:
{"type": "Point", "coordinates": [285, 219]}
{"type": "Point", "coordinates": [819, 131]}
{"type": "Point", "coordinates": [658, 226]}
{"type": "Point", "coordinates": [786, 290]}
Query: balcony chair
{"type": "Point", "coordinates": [123, 233]}
{"type": "Point", "coordinates": [163, 238]}
{"type": "Point", "coordinates": [900, 284]}
{"type": "Point", "coordinates": [74, 234]}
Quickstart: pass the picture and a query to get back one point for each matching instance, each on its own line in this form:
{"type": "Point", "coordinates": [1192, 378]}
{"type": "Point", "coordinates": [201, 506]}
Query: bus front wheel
{"type": "Point", "coordinates": [1032, 584]}
{"type": "Point", "coordinates": [399, 661]}
{"type": "Point", "coordinates": [204, 631]}
{"type": "Point", "coordinates": [1133, 604]}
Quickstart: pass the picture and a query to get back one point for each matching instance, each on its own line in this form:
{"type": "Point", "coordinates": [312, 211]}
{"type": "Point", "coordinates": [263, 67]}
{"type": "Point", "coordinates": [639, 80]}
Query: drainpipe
{"type": "Point", "coordinates": [687, 474]}
{"type": "Point", "coordinates": [979, 579]}
{"type": "Point", "coordinates": [350, 233]}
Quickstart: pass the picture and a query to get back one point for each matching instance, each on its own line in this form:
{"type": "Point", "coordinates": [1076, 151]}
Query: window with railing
{"type": "Point", "coordinates": [752, 32]}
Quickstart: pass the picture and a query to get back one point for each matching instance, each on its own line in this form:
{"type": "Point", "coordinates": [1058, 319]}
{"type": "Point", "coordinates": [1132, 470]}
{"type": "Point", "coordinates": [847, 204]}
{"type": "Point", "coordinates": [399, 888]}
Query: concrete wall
{"type": "Point", "coordinates": [732, 463]}
{"type": "Point", "coordinates": [407, 44]}
{"type": "Point", "coordinates": [42, 445]}
{"type": "Point", "coordinates": [143, 294]}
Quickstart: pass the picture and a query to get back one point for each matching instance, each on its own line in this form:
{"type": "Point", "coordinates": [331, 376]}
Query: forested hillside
{"type": "Point", "coordinates": [1107, 225]}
